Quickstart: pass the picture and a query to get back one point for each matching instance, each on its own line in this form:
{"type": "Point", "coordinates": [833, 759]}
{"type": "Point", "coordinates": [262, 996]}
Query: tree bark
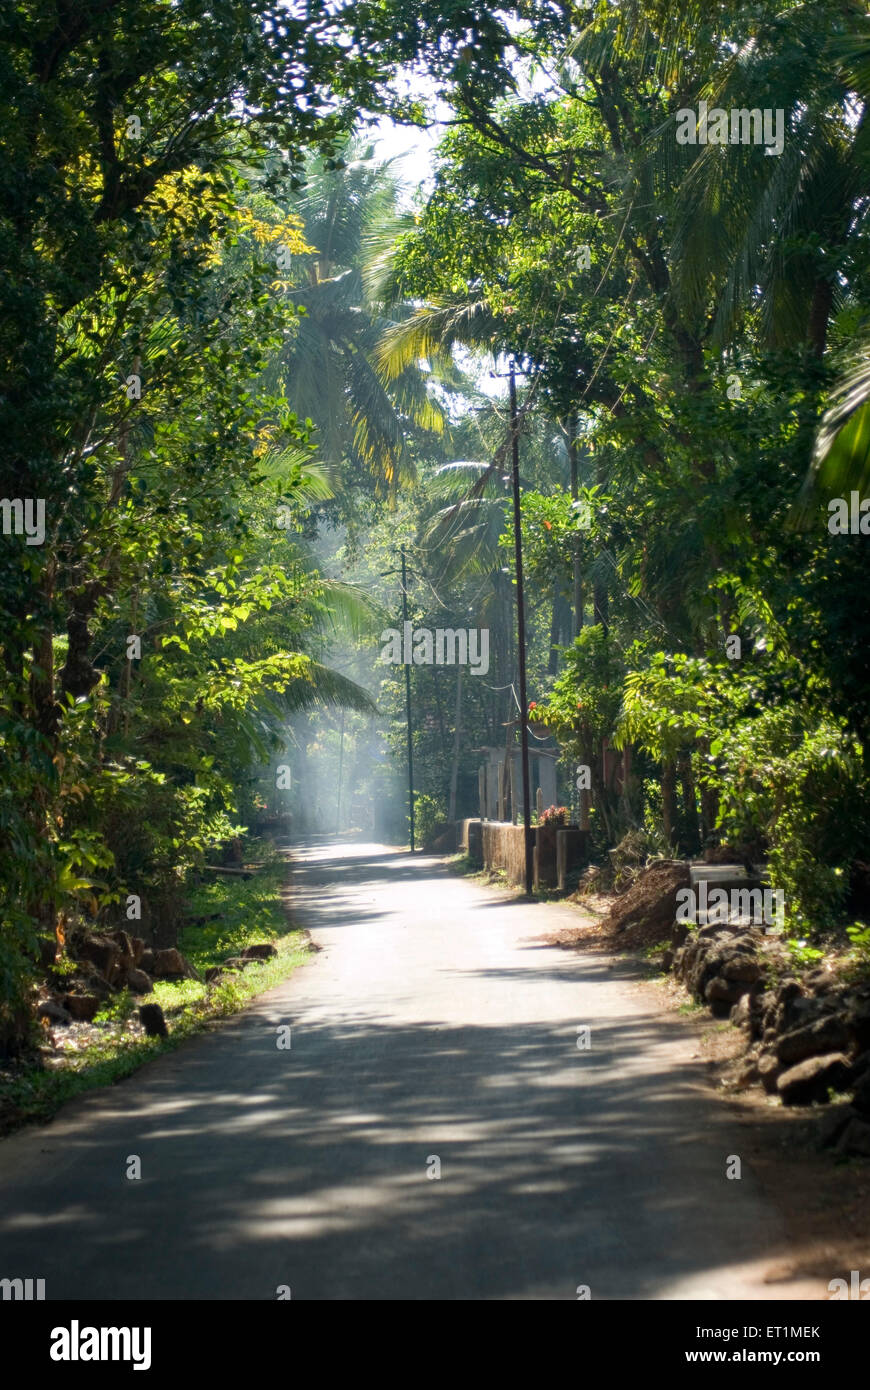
{"type": "Point", "coordinates": [457, 733]}
{"type": "Point", "coordinates": [820, 314]}
{"type": "Point", "coordinates": [669, 799]}
{"type": "Point", "coordinates": [553, 660]}
{"type": "Point", "coordinates": [690, 801]}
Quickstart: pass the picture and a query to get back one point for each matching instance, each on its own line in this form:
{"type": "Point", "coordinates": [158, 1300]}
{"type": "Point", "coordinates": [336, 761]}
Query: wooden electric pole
{"type": "Point", "coordinates": [521, 631]}
{"type": "Point", "coordinates": [408, 701]}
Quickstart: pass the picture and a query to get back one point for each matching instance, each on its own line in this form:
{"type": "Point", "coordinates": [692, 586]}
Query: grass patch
{"type": "Point", "coordinates": [249, 911]}
{"type": "Point", "coordinates": [470, 868]}
{"type": "Point", "coordinates": [461, 864]}
{"type": "Point", "coordinates": [497, 878]}
{"type": "Point", "coordinates": [656, 950]}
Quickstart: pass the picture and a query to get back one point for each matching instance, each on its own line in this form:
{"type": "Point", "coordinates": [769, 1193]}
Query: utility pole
{"type": "Point", "coordinates": [521, 630]}
{"type": "Point", "coordinates": [408, 701]}
{"type": "Point", "coordinates": [575, 490]}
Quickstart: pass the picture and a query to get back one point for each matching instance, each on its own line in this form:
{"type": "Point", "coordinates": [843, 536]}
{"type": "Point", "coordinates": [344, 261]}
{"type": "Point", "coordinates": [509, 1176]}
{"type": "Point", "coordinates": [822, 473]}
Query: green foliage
{"type": "Point", "coordinates": [797, 781]}
{"type": "Point", "coordinates": [802, 954]}
{"type": "Point", "coordinates": [551, 533]}
{"type": "Point", "coordinates": [118, 1009]}
{"type": "Point", "coordinates": [242, 915]}
{"type": "Point", "coordinates": [145, 212]}
{"type": "Point", "coordinates": [429, 811]}
{"type": "Point", "coordinates": [299, 341]}
{"type": "Point", "coordinates": [249, 912]}
{"type": "Point", "coordinates": [587, 695]}
{"type": "Point", "coordinates": [859, 935]}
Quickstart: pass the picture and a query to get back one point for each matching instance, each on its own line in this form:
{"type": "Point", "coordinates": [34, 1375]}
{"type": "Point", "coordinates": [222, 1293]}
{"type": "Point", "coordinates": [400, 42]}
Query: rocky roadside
{"type": "Point", "coordinates": [95, 968]}
{"type": "Point", "coordinates": [804, 1036]}
{"type": "Point", "coordinates": [752, 1018]}
{"type": "Point", "coordinates": [807, 1039]}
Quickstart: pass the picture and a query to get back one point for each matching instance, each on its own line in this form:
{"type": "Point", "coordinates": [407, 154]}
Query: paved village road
{"type": "Point", "coordinates": [431, 1025]}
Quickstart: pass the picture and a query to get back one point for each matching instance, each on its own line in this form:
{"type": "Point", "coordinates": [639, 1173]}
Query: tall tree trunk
{"type": "Point", "coordinates": [577, 586]}
{"type": "Point", "coordinates": [42, 810]}
{"type": "Point", "coordinates": [457, 734]}
{"type": "Point", "coordinates": [820, 314]}
{"type": "Point", "coordinates": [600, 790]}
{"type": "Point", "coordinates": [709, 800]}
{"type": "Point", "coordinates": [669, 799]}
{"type": "Point", "coordinates": [45, 711]}
{"type": "Point", "coordinates": [442, 732]}
{"type": "Point", "coordinates": [599, 596]}
{"type": "Point", "coordinates": [690, 801]}
{"type": "Point", "coordinates": [553, 660]}
{"type": "Point", "coordinates": [600, 606]}
{"type": "Point", "coordinates": [625, 794]}
{"type": "Point", "coordinates": [577, 606]}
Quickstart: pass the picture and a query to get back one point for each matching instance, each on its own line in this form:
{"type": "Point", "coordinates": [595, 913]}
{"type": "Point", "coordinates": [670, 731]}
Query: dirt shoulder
{"type": "Point", "coordinates": [822, 1196]}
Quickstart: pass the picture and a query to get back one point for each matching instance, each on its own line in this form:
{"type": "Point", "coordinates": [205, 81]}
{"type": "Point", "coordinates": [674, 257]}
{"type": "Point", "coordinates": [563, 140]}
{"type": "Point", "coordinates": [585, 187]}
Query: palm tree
{"type": "Point", "coordinates": [366, 420]}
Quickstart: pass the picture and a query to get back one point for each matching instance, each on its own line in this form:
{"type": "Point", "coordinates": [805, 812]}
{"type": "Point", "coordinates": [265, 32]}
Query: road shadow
{"type": "Point", "coordinates": [375, 1158]}
{"type": "Point", "coordinates": [311, 1167]}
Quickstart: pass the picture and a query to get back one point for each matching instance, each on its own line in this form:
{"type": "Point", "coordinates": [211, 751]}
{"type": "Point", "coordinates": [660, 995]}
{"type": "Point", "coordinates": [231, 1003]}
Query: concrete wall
{"type": "Point", "coordinates": [545, 862]}
{"type": "Point", "coordinates": [495, 845]}
{"type": "Point", "coordinates": [504, 848]}
{"type": "Point", "coordinates": [500, 845]}
{"type": "Point", "coordinates": [462, 828]}
{"type": "Point", "coordinates": [571, 851]}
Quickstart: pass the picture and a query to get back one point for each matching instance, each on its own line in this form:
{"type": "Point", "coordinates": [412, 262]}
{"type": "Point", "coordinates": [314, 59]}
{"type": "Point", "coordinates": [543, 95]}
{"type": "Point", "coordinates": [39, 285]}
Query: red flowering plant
{"type": "Point", "coordinates": [549, 821]}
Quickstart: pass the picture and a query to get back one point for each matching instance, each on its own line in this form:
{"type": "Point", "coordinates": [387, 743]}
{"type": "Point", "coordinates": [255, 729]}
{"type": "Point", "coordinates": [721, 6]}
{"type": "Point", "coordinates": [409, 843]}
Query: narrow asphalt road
{"type": "Point", "coordinates": [432, 1028]}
